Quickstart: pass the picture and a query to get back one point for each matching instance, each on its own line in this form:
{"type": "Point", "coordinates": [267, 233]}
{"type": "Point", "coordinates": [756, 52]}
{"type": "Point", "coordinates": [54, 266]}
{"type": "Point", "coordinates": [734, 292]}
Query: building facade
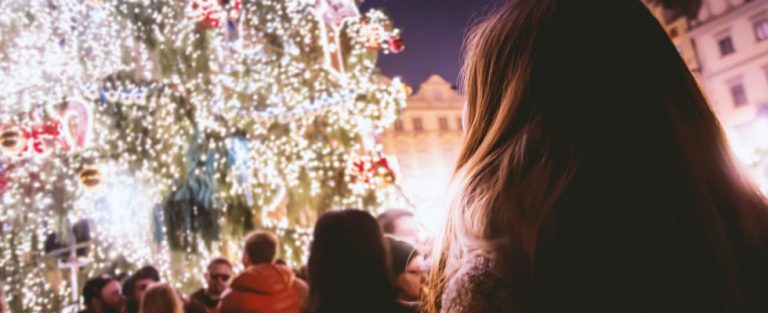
{"type": "Point", "coordinates": [731, 39]}
{"type": "Point", "coordinates": [676, 25]}
{"type": "Point", "coordinates": [731, 45]}
{"type": "Point", "coordinates": [725, 43]}
{"type": "Point", "coordinates": [426, 140]}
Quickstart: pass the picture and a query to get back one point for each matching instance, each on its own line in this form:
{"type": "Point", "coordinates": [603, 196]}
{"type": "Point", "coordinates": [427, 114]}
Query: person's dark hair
{"type": "Point", "coordinates": [348, 265]}
{"type": "Point", "coordinates": [146, 272]}
{"type": "Point", "coordinates": [261, 247]}
{"type": "Point", "coordinates": [92, 288]}
{"type": "Point", "coordinates": [218, 261]}
{"type": "Point", "coordinates": [387, 219]}
{"type": "Point", "coordinates": [122, 276]}
{"type": "Point", "coordinates": [595, 172]}
{"type": "Point", "coordinates": [194, 307]}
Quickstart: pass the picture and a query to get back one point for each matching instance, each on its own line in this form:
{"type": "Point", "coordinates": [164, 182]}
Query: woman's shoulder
{"type": "Point", "coordinates": [476, 287]}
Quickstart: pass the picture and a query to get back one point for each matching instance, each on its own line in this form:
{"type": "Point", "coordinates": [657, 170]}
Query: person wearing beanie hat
{"type": "Point", "coordinates": [401, 224]}
{"type": "Point", "coordinates": [102, 295]}
{"type": "Point", "coordinates": [135, 285]}
{"type": "Point", "coordinates": [407, 265]}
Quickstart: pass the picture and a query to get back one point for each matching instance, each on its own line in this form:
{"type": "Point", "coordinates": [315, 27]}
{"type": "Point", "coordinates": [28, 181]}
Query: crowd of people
{"type": "Point", "coordinates": [357, 263]}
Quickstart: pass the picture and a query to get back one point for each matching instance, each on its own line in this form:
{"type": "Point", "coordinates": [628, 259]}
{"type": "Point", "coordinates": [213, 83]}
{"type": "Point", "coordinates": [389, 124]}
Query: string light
{"type": "Point", "coordinates": [151, 103]}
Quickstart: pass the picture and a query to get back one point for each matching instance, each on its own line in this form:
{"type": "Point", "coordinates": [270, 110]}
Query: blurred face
{"type": "Point", "coordinates": [111, 297]}
{"type": "Point", "coordinates": [409, 282]}
{"type": "Point", "coordinates": [140, 287]}
{"type": "Point", "coordinates": [217, 279]}
{"type": "Point", "coordinates": [406, 228]}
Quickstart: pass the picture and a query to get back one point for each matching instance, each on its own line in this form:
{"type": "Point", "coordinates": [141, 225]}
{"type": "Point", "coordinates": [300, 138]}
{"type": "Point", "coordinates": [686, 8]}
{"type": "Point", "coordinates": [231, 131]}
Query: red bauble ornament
{"type": "Point", "coordinates": [210, 13]}
{"type": "Point", "coordinates": [385, 168]}
{"type": "Point", "coordinates": [374, 169]}
{"type": "Point", "coordinates": [395, 45]}
{"type": "Point", "coordinates": [42, 137]}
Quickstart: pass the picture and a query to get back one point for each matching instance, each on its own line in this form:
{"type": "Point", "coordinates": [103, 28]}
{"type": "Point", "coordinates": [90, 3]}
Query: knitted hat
{"type": "Point", "coordinates": [401, 253]}
{"type": "Point", "coordinates": [147, 272]}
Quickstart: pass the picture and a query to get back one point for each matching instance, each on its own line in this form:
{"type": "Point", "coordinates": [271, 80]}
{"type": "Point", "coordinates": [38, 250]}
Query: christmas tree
{"type": "Point", "coordinates": [160, 131]}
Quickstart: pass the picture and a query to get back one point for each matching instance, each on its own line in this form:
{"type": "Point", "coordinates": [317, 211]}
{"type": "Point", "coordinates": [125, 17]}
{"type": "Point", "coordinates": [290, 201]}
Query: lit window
{"type": "Point", "coordinates": [765, 69]}
{"type": "Point", "coordinates": [761, 29]}
{"type": "Point", "coordinates": [739, 94]}
{"type": "Point", "coordinates": [399, 125]}
{"type": "Point", "coordinates": [418, 125]}
{"type": "Point", "coordinates": [726, 46]}
{"type": "Point", "coordinates": [444, 124]}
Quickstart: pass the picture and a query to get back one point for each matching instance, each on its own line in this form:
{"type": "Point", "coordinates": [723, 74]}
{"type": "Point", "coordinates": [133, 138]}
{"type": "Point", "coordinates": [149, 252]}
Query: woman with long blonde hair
{"type": "Point", "coordinates": [161, 298]}
{"type": "Point", "coordinates": [594, 176]}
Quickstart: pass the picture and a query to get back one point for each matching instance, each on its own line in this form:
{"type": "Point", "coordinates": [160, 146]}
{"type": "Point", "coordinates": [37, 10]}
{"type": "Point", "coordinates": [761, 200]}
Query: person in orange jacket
{"type": "Point", "coordinates": [264, 287]}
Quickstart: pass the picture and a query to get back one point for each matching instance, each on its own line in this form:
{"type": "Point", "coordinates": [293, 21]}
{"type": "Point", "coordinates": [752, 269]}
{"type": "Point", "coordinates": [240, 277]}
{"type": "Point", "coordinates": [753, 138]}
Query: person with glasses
{"type": "Point", "coordinates": [217, 278]}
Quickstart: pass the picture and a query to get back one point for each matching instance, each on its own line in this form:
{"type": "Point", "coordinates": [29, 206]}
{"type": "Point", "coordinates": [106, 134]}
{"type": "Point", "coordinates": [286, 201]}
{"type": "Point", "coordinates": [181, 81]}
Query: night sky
{"type": "Point", "coordinates": [433, 31]}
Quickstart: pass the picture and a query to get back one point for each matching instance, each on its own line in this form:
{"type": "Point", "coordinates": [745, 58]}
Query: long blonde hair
{"type": "Point", "coordinates": [497, 145]}
{"type": "Point", "coordinates": [561, 96]}
{"type": "Point", "coordinates": [161, 298]}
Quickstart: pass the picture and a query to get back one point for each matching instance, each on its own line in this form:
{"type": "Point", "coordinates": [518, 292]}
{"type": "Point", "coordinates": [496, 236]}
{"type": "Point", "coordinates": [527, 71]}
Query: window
{"type": "Point", "coordinates": [765, 69]}
{"type": "Point", "coordinates": [761, 29]}
{"type": "Point", "coordinates": [739, 94]}
{"type": "Point", "coordinates": [443, 124]}
{"type": "Point", "coordinates": [726, 45]}
{"type": "Point", "coordinates": [417, 124]}
{"type": "Point", "coordinates": [399, 125]}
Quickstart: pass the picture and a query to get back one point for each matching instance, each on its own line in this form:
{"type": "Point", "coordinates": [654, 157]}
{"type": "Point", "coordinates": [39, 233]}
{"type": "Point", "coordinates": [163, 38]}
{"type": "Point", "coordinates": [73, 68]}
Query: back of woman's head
{"type": "Point", "coordinates": [161, 298]}
{"type": "Point", "coordinates": [348, 265]}
{"type": "Point", "coordinates": [594, 169]}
